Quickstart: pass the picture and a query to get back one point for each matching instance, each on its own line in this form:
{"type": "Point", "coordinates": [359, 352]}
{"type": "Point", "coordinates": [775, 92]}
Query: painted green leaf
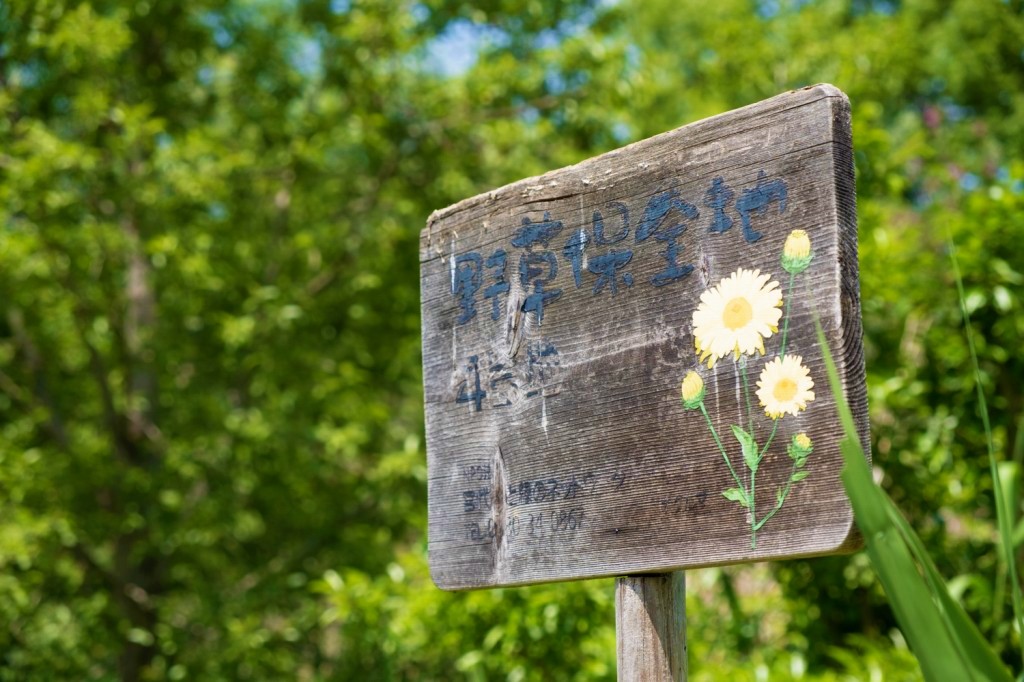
{"type": "Point", "coordinates": [736, 495]}
{"type": "Point", "coordinates": [749, 447]}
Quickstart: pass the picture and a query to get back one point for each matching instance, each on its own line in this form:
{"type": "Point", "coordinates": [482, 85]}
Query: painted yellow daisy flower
{"type": "Point", "coordinates": [785, 386]}
{"type": "Point", "coordinates": [736, 315]}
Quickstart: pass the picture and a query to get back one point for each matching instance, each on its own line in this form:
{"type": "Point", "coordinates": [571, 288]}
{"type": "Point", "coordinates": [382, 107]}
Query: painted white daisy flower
{"type": "Point", "coordinates": [736, 315]}
{"type": "Point", "coordinates": [785, 386]}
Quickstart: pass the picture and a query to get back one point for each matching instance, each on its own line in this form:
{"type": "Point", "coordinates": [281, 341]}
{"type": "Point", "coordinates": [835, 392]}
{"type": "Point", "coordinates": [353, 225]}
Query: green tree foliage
{"type": "Point", "coordinates": [211, 461]}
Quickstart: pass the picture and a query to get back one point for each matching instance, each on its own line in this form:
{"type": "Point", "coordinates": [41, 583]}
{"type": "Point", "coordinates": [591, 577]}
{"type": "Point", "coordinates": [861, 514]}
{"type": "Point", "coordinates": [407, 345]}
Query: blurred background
{"type": "Point", "coordinates": [211, 431]}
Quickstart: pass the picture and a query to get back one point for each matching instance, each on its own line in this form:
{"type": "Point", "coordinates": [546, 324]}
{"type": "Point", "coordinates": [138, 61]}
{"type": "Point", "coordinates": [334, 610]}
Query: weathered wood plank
{"type": "Point", "coordinates": [557, 444]}
{"type": "Point", "coordinates": [650, 628]}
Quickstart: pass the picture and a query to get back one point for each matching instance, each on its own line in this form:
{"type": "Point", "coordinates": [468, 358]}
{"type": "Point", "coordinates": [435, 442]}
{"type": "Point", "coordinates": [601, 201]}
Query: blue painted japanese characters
{"type": "Point", "coordinates": [599, 258]}
{"type": "Point", "coordinates": [547, 508]}
{"type": "Point", "coordinates": [488, 382]}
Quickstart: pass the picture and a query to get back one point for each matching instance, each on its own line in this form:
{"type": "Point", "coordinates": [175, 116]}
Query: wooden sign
{"type": "Point", "coordinates": [620, 364]}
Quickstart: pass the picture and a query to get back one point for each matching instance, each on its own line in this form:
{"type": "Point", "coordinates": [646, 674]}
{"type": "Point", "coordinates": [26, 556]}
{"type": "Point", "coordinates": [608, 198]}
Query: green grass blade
{"type": "Point", "coordinates": [946, 642]}
{"type": "Point", "coordinates": [1004, 515]}
{"type": "Point", "coordinates": [966, 636]}
{"type": "Point", "coordinates": [1009, 474]}
{"type": "Point", "coordinates": [909, 597]}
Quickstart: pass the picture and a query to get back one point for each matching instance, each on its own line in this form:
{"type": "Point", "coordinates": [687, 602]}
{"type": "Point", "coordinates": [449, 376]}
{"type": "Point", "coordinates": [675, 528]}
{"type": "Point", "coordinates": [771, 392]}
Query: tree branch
{"type": "Point", "coordinates": [41, 388]}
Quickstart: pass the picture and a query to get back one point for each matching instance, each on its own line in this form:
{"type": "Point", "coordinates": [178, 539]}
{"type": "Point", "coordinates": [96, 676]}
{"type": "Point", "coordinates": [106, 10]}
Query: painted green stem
{"type": "Point", "coordinates": [751, 493]}
{"type": "Point", "coordinates": [754, 524]}
{"type": "Point", "coordinates": [753, 509]}
{"type": "Point", "coordinates": [785, 324]}
{"type": "Point", "coordinates": [771, 437]}
{"type": "Point", "coordinates": [785, 494]}
{"type": "Point", "coordinates": [782, 353]}
{"type": "Point", "coordinates": [746, 392]}
{"type": "Point", "coordinates": [721, 448]}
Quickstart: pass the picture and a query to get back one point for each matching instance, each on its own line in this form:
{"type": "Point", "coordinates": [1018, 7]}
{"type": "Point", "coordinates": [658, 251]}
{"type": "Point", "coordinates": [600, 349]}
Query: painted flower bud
{"type": "Point", "coordinates": [693, 391]}
{"type": "Point", "coordinates": [802, 442]}
{"type": "Point", "coordinates": [799, 448]}
{"type": "Point", "coordinates": [796, 254]}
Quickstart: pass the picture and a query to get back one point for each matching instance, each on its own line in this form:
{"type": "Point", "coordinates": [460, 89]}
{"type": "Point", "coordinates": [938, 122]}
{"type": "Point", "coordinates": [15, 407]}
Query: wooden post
{"type": "Point", "coordinates": [650, 627]}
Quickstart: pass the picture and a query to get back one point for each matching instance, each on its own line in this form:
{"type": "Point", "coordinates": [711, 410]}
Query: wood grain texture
{"type": "Point", "coordinates": [557, 444]}
{"type": "Point", "coordinates": [650, 628]}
